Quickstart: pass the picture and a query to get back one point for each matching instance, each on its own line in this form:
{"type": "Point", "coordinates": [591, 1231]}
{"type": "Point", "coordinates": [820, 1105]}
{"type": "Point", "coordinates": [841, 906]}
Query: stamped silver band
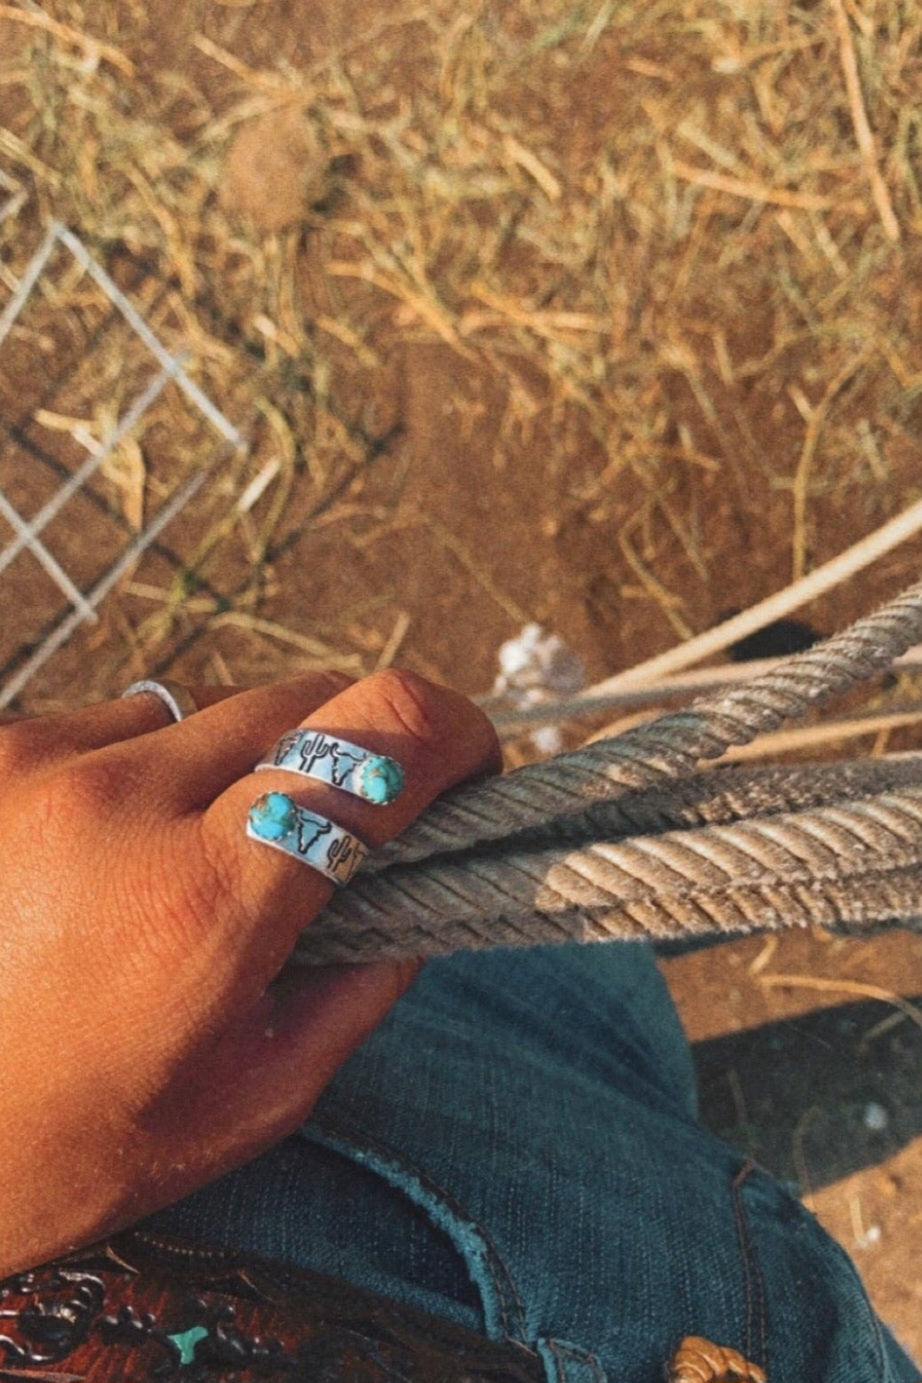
{"type": "Point", "coordinates": [177, 699]}
{"type": "Point", "coordinates": [274, 819]}
{"type": "Point", "coordinates": [329, 759]}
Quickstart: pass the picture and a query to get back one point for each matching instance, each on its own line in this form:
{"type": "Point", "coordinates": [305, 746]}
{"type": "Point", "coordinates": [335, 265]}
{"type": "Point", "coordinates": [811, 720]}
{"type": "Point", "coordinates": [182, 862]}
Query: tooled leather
{"type": "Point", "coordinates": [139, 1308]}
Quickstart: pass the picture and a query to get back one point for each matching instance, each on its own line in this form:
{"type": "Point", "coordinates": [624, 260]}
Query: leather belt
{"type": "Point", "coordinates": [139, 1307]}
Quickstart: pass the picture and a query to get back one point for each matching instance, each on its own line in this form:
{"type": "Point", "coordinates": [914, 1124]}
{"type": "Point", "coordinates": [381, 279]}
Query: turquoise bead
{"type": "Point", "coordinates": [273, 816]}
{"type": "Point", "coordinates": [382, 779]}
{"type": "Point", "coordinates": [186, 1340]}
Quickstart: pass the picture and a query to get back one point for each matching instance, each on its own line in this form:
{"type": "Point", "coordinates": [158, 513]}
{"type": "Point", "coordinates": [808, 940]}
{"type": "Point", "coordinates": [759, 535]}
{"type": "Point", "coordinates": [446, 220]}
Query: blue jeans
{"type": "Point", "coordinates": [516, 1149]}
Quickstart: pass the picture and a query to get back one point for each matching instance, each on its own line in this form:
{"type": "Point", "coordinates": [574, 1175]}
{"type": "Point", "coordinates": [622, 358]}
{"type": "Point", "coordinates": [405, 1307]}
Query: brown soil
{"type": "Point", "coordinates": [452, 272]}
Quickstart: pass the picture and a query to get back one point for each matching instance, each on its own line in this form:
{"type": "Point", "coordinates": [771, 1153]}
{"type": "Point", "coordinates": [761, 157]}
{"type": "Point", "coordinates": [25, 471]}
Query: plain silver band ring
{"type": "Point", "coordinates": [177, 698]}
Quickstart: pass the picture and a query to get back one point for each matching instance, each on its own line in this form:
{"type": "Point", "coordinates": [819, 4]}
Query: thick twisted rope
{"type": "Point", "coordinates": [729, 877]}
{"type": "Point", "coordinates": [627, 839]}
{"type": "Point", "coordinates": [667, 748]}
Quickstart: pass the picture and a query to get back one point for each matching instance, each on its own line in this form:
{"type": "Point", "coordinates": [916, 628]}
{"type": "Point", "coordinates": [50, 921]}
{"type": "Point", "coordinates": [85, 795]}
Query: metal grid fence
{"type": "Point", "coordinates": [78, 602]}
{"type": "Point", "coordinates": [12, 196]}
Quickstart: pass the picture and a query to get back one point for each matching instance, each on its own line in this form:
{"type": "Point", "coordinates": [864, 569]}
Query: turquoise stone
{"type": "Point", "coordinates": [382, 779]}
{"type": "Point", "coordinates": [186, 1340]}
{"type": "Point", "coordinates": [273, 816]}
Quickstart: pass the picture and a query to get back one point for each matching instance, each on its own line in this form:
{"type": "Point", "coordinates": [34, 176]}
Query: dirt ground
{"type": "Point", "coordinates": [543, 313]}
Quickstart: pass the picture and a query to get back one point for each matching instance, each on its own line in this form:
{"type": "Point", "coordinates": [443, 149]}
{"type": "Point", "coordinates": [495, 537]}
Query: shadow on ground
{"type": "Point", "coordinates": [817, 1097]}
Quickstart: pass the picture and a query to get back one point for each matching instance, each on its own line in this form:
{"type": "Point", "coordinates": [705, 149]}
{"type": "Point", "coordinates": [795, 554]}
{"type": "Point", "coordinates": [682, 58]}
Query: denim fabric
{"type": "Point", "coordinates": [515, 1148]}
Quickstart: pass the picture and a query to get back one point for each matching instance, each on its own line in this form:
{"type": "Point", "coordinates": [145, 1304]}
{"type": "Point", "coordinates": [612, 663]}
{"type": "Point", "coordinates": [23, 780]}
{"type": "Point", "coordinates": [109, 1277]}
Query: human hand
{"type": "Point", "coordinates": [147, 1041]}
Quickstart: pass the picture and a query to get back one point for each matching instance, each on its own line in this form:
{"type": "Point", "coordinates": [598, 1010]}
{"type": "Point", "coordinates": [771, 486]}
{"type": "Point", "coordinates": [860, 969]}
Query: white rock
{"type": "Point", "coordinates": [536, 659]}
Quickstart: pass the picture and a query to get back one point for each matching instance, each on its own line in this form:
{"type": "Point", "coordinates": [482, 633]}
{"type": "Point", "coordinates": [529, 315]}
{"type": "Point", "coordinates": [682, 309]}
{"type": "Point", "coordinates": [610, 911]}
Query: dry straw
{"type": "Point", "coordinates": [670, 240]}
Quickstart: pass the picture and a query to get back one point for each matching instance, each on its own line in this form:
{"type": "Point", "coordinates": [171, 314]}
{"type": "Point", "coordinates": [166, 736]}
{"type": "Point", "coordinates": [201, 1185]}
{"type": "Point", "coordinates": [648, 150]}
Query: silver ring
{"type": "Point", "coordinates": [177, 699]}
{"type": "Point", "coordinates": [331, 760]}
{"type": "Point", "coordinates": [274, 819]}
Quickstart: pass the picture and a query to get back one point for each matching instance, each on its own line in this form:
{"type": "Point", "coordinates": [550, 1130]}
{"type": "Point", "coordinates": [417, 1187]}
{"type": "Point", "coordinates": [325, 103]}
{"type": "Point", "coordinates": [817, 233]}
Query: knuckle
{"type": "Point", "coordinates": [411, 700]}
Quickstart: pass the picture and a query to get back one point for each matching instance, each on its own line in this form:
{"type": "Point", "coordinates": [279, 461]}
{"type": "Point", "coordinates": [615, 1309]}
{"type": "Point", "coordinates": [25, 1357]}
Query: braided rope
{"type": "Point", "coordinates": [627, 839]}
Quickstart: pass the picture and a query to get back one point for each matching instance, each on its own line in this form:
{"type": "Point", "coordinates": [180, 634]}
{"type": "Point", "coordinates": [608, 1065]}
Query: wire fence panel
{"type": "Point", "coordinates": [93, 407]}
{"type": "Point", "coordinates": [12, 196]}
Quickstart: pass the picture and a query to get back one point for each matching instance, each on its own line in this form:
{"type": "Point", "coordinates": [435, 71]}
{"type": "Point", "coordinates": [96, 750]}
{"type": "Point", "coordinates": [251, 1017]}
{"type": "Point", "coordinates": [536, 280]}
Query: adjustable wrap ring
{"type": "Point", "coordinates": [177, 699]}
{"type": "Point", "coordinates": [276, 820]}
{"type": "Point", "coordinates": [329, 759]}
